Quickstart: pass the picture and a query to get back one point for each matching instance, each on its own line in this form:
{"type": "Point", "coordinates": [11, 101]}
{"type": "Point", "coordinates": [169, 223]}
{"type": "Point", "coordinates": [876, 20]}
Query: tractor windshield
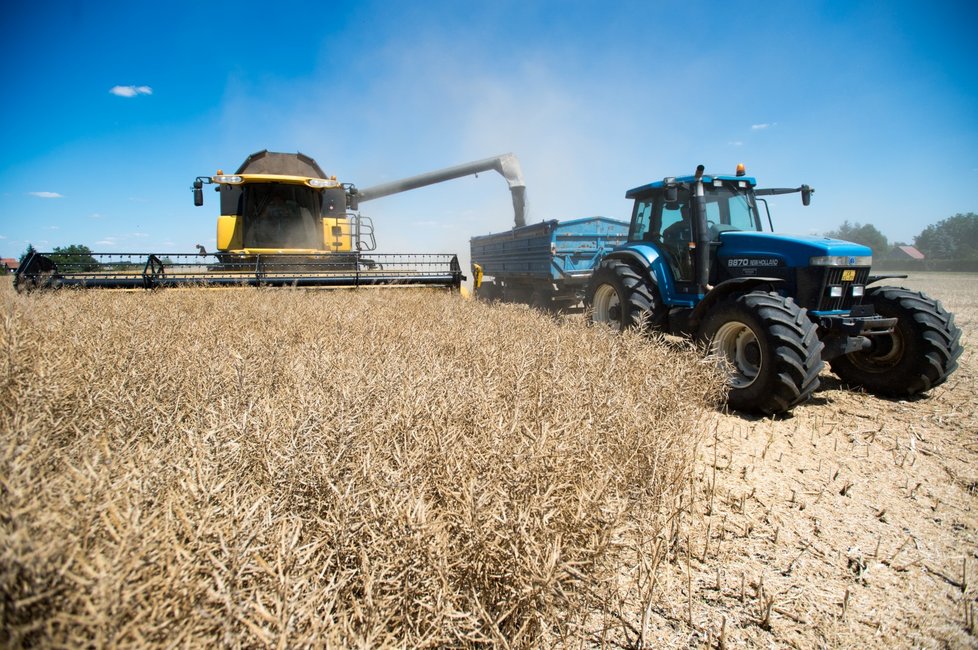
{"type": "Point", "coordinates": [282, 216]}
{"type": "Point", "coordinates": [729, 208]}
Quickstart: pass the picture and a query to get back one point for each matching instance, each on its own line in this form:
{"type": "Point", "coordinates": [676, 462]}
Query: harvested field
{"type": "Point", "coordinates": [386, 468]}
{"type": "Point", "coordinates": [852, 523]}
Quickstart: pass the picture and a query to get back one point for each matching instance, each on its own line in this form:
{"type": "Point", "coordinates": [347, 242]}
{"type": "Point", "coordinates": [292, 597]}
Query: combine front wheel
{"type": "Point", "coordinates": [771, 348]}
{"type": "Point", "coordinates": [920, 353]}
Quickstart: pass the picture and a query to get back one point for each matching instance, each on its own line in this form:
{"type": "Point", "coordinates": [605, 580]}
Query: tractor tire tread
{"type": "Point", "coordinates": [938, 346]}
{"type": "Point", "coordinates": [643, 304]}
{"type": "Point", "coordinates": [796, 352]}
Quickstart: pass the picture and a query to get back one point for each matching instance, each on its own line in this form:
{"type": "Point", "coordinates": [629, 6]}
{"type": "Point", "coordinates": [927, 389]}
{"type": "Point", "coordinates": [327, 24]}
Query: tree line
{"type": "Point", "coordinates": [954, 238]}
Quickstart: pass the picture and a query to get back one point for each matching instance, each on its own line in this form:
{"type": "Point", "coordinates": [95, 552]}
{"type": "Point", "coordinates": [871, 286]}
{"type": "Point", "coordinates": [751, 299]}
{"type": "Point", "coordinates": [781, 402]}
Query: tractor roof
{"type": "Point", "coordinates": [281, 164]}
{"type": "Point", "coordinates": [707, 178]}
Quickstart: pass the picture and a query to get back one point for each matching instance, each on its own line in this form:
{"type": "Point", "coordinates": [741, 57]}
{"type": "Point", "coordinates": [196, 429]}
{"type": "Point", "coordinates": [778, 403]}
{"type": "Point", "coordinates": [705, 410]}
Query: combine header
{"type": "Point", "coordinates": [283, 222]}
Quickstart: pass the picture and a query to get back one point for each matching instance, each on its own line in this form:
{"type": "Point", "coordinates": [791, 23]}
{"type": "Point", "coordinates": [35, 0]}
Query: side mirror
{"type": "Point", "coordinates": [806, 195]}
{"type": "Point", "coordinates": [198, 193]}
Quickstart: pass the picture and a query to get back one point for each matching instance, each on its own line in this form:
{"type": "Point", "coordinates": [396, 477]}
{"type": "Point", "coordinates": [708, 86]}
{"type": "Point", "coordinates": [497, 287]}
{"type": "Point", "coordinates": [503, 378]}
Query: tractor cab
{"type": "Point", "coordinates": [664, 215]}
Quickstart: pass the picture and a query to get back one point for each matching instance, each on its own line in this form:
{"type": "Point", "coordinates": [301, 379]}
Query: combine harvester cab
{"type": "Point", "coordinates": [283, 222]}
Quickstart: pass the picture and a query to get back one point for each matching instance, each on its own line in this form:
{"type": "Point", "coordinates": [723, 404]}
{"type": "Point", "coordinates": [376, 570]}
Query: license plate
{"type": "Point", "coordinates": [848, 275]}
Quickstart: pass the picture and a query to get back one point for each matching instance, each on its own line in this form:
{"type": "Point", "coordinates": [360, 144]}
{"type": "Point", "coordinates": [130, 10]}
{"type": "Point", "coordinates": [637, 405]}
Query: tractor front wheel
{"type": "Point", "coordinates": [919, 355]}
{"type": "Point", "coordinates": [769, 346]}
{"type": "Point", "coordinates": [620, 297]}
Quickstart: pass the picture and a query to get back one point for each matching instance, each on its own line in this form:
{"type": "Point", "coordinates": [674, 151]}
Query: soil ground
{"type": "Point", "coordinates": [851, 523]}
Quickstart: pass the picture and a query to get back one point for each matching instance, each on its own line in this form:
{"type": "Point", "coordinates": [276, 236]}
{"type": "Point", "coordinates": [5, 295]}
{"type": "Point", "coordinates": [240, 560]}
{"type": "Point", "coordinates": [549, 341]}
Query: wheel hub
{"type": "Point", "coordinates": [738, 344]}
{"type": "Point", "coordinates": [607, 306]}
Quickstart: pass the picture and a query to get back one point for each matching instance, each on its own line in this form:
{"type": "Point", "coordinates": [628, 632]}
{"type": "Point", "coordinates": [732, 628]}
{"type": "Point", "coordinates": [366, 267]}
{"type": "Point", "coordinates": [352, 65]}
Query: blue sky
{"type": "Point", "coordinates": [873, 104]}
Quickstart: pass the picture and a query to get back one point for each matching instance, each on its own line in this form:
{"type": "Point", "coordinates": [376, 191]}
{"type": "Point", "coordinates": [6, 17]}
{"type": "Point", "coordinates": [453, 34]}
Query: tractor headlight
{"type": "Point", "coordinates": [835, 292]}
{"type": "Point", "coordinates": [858, 290]}
{"type": "Point", "coordinates": [230, 180]}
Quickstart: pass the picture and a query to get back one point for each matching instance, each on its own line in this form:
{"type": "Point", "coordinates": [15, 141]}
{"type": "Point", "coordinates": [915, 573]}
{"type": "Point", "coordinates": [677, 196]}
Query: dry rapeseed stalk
{"type": "Point", "coordinates": [327, 468]}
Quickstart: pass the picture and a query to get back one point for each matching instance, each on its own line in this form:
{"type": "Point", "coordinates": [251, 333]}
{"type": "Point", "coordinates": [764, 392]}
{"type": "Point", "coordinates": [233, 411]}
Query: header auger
{"type": "Point", "coordinates": [283, 222]}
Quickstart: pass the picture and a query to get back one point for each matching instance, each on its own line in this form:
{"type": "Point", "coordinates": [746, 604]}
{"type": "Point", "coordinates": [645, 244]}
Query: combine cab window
{"type": "Point", "coordinates": [282, 216]}
{"type": "Point", "coordinates": [334, 203]}
{"type": "Point", "coordinates": [231, 199]}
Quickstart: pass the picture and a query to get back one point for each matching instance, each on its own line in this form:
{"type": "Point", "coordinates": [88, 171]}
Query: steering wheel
{"type": "Point", "coordinates": [713, 229]}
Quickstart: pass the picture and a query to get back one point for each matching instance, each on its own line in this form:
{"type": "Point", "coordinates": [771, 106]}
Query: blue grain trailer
{"type": "Point", "coordinates": [546, 264]}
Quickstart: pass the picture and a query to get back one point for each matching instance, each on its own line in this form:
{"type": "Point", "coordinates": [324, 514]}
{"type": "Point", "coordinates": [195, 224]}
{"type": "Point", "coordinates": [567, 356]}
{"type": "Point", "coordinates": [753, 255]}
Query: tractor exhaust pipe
{"type": "Point", "coordinates": [702, 254]}
{"type": "Point", "coordinates": [507, 165]}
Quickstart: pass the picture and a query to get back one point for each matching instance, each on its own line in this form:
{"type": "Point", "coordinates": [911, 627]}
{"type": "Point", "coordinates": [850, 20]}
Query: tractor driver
{"type": "Point", "coordinates": [682, 230]}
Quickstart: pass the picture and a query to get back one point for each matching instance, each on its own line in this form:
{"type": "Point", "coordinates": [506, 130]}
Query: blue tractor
{"type": "Point", "coordinates": [698, 263]}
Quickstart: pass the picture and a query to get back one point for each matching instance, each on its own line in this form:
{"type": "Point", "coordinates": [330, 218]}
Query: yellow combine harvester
{"type": "Point", "coordinates": [283, 222]}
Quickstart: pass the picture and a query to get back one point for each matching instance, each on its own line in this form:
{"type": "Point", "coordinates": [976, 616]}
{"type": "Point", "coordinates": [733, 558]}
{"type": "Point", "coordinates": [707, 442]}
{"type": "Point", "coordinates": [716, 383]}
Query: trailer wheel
{"type": "Point", "coordinates": [919, 355]}
{"type": "Point", "coordinates": [619, 296]}
{"type": "Point", "coordinates": [771, 348]}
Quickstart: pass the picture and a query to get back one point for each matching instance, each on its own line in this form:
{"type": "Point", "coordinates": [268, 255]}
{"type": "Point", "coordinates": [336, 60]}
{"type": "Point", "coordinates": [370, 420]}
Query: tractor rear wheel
{"type": "Point", "coordinates": [771, 348]}
{"type": "Point", "coordinates": [920, 353]}
{"type": "Point", "coordinates": [619, 296]}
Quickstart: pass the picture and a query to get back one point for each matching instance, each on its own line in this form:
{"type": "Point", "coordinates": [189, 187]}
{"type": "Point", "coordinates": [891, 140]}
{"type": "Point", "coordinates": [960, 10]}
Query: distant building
{"type": "Point", "coordinates": [10, 264]}
{"type": "Point", "coordinates": [905, 253]}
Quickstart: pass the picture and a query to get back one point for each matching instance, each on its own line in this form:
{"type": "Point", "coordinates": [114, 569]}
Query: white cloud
{"type": "Point", "coordinates": [759, 127]}
{"type": "Point", "coordinates": [52, 227]}
{"type": "Point", "coordinates": [108, 241]}
{"type": "Point", "coordinates": [46, 195]}
{"type": "Point", "coordinates": [130, 91]}
{"type": "Point", "coordinates": [736, 143]}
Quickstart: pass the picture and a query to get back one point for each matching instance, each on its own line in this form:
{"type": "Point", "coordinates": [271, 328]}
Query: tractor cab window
{"type": "Point", "coordinates": [281, 215]}
{"type": "Point", "coordinates": [641, 219]}
{"type": "Point", "coordinates": [669, 226]}
{"type": "Point", "coordinates": [654, 219]}
{"type": "Point", "coordinates": [729, 208]}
